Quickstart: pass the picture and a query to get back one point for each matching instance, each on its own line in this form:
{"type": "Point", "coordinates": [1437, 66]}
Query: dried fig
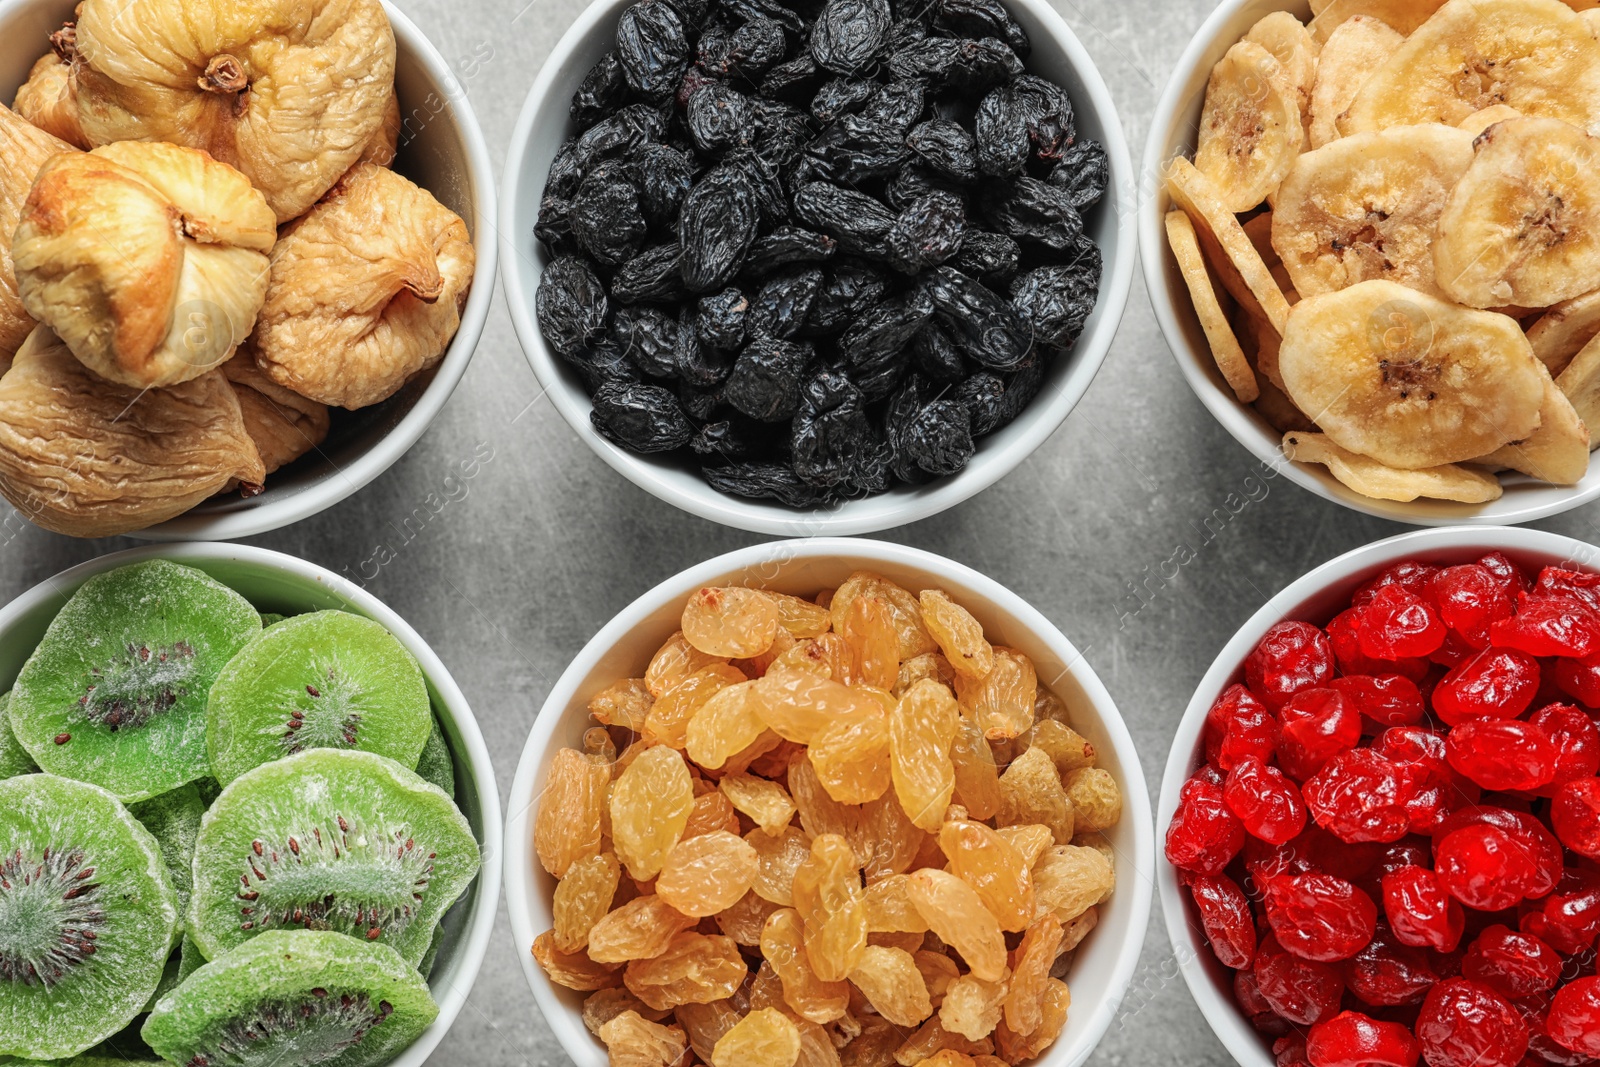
{"type": "Point", "coordinates": [89, 458]}
{"type": "Point", "coordinates": [287, 91]}
{"type": "Point", "coordinates": [283, 424]}
{"type": "Point", "coordinates": [148, 260]}
{"type": "Point", "coordinates": [24, 148]}
{"type": "Point", "coordinates": [49, 98]}
{"type": "Point", "coordinates": [366, 290]}
{"type": "Point", "coordinates": [384, 143]}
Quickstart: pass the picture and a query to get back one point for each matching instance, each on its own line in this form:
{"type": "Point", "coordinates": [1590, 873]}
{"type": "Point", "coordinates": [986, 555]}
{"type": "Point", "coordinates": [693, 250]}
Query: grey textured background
{"type": "Point", "coordinates": [533, 555]}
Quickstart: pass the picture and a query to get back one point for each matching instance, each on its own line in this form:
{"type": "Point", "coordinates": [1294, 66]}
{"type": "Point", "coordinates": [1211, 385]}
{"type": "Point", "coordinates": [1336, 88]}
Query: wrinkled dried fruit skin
{"type": "Point", "coordinates": [733, 622]}
{"type": "Point", "coordinates": [783, 945]}
{"type": "Point", "coordinates": [955, 911]}
{"type": "Point", "coordinates": [973, 1007]}
{"type": "Point", "coordinates": [922, 729]}
{"type": "Point", "coordinates": [889, 979]}
{"type": "Point", "coordinates": [650, 806]}
{"type": "Point", "coordinates": [828, 896]}
{"type": "Point", "coordinates": [573, 970]}
{"type": "Point", "coordinates": [634, 1041]}
{"type": "Point", "coordinates": [695, 969]}
{"type": "Point", "coordinates": [604, 1005]}
{"type": "Point", "coordinates": [1002, 701]}
{"type": "Point", "coordinates": [1030, 974]}
{"type": "Point", "coordinates": [582, 899]}
{"type": "Point", "coordinates": [982, 858]}
{"type": "Point", "coordinates": [670, 716]}
{"type": "Point", "coordinates": [1070, 879]}
{"type": "Point", "coordinates": [48, 100]}
{"type": "Point", "coordinates": [959, 635]}
{"type": "Point", "coordinates": [572, 809]}
{"type": "Point", "coordinates": [716, 228]}
{"type": "Point", "coordinates": [764, 1038]}
{"type": "Point", "coordinates": [706, 874]}
{"type": "Point", "coordinates": [281, 423]}
{"type": "Point", "coordinates": [1031, 792]}
{"type": "Point", "coordinates": [851, 757]}
{"type": "Point", "coordinates": [778, 857]}
{"type": "Point", "coordinates": [25, 148]}
{"type": "Point", "coordinates": [640, 929]}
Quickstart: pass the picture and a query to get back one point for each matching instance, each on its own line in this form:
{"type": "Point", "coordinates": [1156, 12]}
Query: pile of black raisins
{"type": "Point", "coordinates": [818, 248]}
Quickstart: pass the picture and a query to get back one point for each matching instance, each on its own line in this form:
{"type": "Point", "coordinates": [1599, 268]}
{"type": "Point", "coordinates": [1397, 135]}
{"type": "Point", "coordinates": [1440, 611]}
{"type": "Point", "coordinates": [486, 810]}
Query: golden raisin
{"type": "Point", "coordinates": [783, 945]}
{"type": "Point", "coordinates": [712, 811]}
{"type": "Point", "coordinates": [959, 635]}
{"type": "Point", "coordinates": [1015, 1048]}
{"type": "Point", "coordinates": [766, 803]}
{"type": "Point", "coordinates": [723, 726]}
{"type": "Point", "coordinates": [744, 919]}
{"type": "Point", "coordinates": [1096, 800]}
{"type": "Point", "coordinates": [1050, 706]}
{"type": "Point", "coordinates": [977, 776]}
{"type": "Point", "coordinates": [914, 637]}
{"type": "Point", "coordinates": [889, 979]}
{"type": "Point", "coordinates": [972, 1006]}
{"type": "Point", "coordinates": [1070, 879]}
{"type": "Point", "coordinates": [922, 730]}
{"type": "Point", "coordinates": [1030, 971]}
{"type": "Point", "coordinates": [764, 1038]}
{"type": "Point", "coordinates": [933, 1039]}
{"type": "Point", "coordinates": [624, 704]}
{"type": "Point", "coordinates": [902, 940]}
{"type": "Point", "coordinates": [1002, 701]}
{"type": "Point", "coordinates": [637, 930]}
{"type": "Point", "coordinates": [801, 618]}
{"type": "Point", "coordinates": [765, 756]}
{"type": "Point", "coordinates": [1029, 839]}
{"type": "Point", "coordinates": [798, 706]}
{"type": "Point", "coordinates": [570, 821]}
{"type": "Point", "coordinates": [954, 911]}
{"type": "Point", "coordinates": [706, 874]}
{"type": "Point", "coordinates": [928, 665]}
{"type": "Point", "coordinates": [669, 718]}
{"type": "Point", "coordinates": [573, 969]}
{"type": "Point", "coordinates": [872, 643]}
{"type": "Point", "coordinates": [582, 898]}
{"type": "Point", "coordinates": [1073, 933]}
{"type": "Point", "coordinates": [1069, 750]}
{"type": "Point", "coordinates": [695, 968]}
{"type": "Point", "coordinates": [829, 898]}
{"type": "Point", "coordinates": [981, 858]}
{"type": "Point", "coordinates": [816, 1048]}
{"type": "Point", "coordinates": [603, 1005]}
{"type": "Point", "coordinates": [938, 971]}
{"type": "Point", "coordinates": [634, 1041]}
{"type": "Point", "coordinates": [731, 621]}
{"type": "Point", "coordinates": [1031, 792]}
{"type": "Point", "coordinates": [673, 662]}
{"type": "Point", "coordinates": [650, 805]}
{"type": "Point", "coordinates": [874, 1046]}
{"type": "Point", "coordinates": [889, 909]}
{"type": "Point", "coordinates": [851, 757]}
{"type": "Point", "coordinates": [779, 857]}
{"type": "Point", "coordinates": [949, 1057]}
{"type": "Point", "coordinates": [705, 1024]}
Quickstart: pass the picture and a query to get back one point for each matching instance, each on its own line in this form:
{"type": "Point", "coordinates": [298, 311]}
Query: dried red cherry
{"type": "Point", "coordinates": [1398, 624]}
{"type": "Point", "coordinates": [1468, 599]}
{"type": "Point", "coordinates": [1512, 963]}
{"type": "Point", "coordinates": [1576, 741]}
{"type": "Point", "coordinates": [1360, 795]}
{"type": "Point", "coordinates": [1502, 754]}
{"type": "Point", "coordinates": [1225, 916]}
{"type": "Point", "coordinates": [1465, 1024]}
{"type": "Point", "coordinates": [1539, 851]}
{"type": "Point", "coordinates": [1482, 866]}
{"type": "Point", "coordinates": [1509, 575]}
{"type": "Point", "coordinates": [1568, 919]}
{"type": "Point", "coordinates": [1386, 699]}
{"type": "Point", "coordinates": [1579, 679]}
{"type": "Point", "coordinates": [1550, 625]}
{"type": "Point", "coordinates": [1574, 1018]}
{"type": "Point", "coordinates": [1410, 575]}
{"type": "Point", "coordinates": [1421, 912]}
{"type": "Point", "coordinates": [1265, 801]}
{"type": "Point", "coordinates": [1558, 581]}
{"type": "Point", "coordinates": [1290, 1050]}
{"type": "Point", "coordinates": [1302, 991]}
{"type": "Point", "coordinates": [1575, 815]}
{"type": "Point", "coordinates": [1204, 835]}
{"type": "Point", "coordinates": [1291, 657]}
{"type": "Point", "coordinates": [1351, 1039]}
{"type": "Point", "coordinates": [1238, 726]}
{"type": "Point", "coordinates": [1497, 683]}
{"type": "Point", "coordinates": [1387, 973]}
{"type": "Point", "coordinates": [1320, 917]}
{"type": "Point", "coordinates": [1318, 724]}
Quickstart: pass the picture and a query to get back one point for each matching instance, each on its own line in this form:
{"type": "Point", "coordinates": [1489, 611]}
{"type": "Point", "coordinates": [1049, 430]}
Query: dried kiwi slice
{"type": "Point", "coordinates": [115, 694]}
{"type": "Point", "coordinates": [14, 759]}
{"type": "Point", "coordinates": [298, 997]}
{"type": "Point", "coordinates": [329, 840]}
{"type": "Point", "coordinates": [173, 819]}
{"type": "Point", "coordinates": [87, 916]}
{"type": "Point", "coordinates": [434, 765]}
{"type": "Point", "coordinates": [328, 679]}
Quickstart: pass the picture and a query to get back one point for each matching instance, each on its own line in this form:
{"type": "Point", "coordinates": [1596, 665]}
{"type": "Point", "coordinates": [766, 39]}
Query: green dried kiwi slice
{"type": "Point", "coordinates": [14, 759]}
{"type": "Point", "coordinates": [434, 765]}
{"type": "Point", "coordinates": [269, 618]}
{"type": "Point", "coordinates": [87, 916]}
{"type": "Point", "coordinates": [298, 997]}
{"type": "Point", "coordinates": [328, 679]}
{"type": "Point", "coordinates": [87, 1060]}
{"type": "Point", "coordinates": [429, 958]}
{"type": "Point", "coordinates": [115, 694]}
{"type": "Point", "coordinates": [173, 819]}
{"type": "Point", "coordinates": [330, 839]}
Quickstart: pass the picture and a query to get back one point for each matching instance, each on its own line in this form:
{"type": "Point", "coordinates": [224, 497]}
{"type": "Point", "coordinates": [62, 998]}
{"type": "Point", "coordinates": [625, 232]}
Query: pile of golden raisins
{"type": "Point", "coordinates": [949, 855]}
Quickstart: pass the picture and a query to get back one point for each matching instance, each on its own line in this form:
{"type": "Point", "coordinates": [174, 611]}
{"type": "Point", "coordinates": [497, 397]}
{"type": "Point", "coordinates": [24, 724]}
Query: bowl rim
{"type": "Point", "coordinates": [1043, 416]}
{"type": "Point", "coordinates": [1198, 366]}
{"type": "Point", "coordinates": [451, 988]}
{"type": "Point", "coordinates": [1188, 943]}
{"type": "Point", "coordinates": [349, 479]}
{"type": "Point", "coordinates": [575, 1039]}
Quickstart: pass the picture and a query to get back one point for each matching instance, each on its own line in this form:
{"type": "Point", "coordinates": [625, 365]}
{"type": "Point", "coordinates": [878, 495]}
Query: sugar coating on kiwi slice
{"type": "Point", "coordinates": [173, 819]}
{"type": "Point", "coordinates": [328, 679]}
{"type": "Point", "coordinates": [298, 997]}
{"type": "Point", "coordinates": [87, 916]}
{"type": "Point", "coordinates": [435, 765]}
{"type": "Point", "coordinates": [329, 839]}
{"type": "Point", "coordinates": [115, 694]}
{"type": "Point", "coordinates": [14, 759]}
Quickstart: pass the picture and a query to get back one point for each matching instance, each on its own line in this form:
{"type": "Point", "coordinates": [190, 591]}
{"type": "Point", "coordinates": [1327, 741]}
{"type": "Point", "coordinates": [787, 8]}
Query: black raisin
{"type": "Point", "coordinates": [719, 117]}
{"type": "Point", "coordinates": [794, 80]}
{"type": "Point", "coordinates": [981, 18]}
{"type": "Point", "coordinates": [665, 175]}
{"type": "Point", "coordinates": [783, 302]}
{"type": "Point", "coordinates": [1032, 211]}
{"type": "Point", "coordinates": [652, 49]}
{"type": "Point", "coordinates": [698, 365]}
{"type": "Point", "coordinates": [961, 63]}
{"type": "Point", "coordinates": [1056, 302]}
{"type": "Point", "coordinates": [731, 439]}
{"type": "Point", "coordinates": [841, 96]}
{"type": "Point", "coordinates": [603, 362]}
{"type": "Point", "coordinates": [765, 382]}
{"type": "Point", "coordinates": [938, 438]}
{"type": "Point", "coordinates": [644, 418]}
{"type": "Point", "coordinates": [983, 395]}
{"type": "Point", "coordinates": [571, 305]}
{"type": "Point", "coordinates": [916, 181]}
{"type": "Point", "coordinates": [619, 135]}
{"type": "Point", "coordinates": [857, 149]}
{"type": "Point", "coordinates": [601, 92]}
{"type": "Point", "coordinates": [787, 244]}
{"type": "Point", "coordinates": [554, 224]}
{"type": "Point", "coordinates": [1021, 388]}
{"type": "Point", "coordinates": [848, 34]}
{"type": "Point", "coordinates": [755, 48]}
{"type": "Point", "coordinates": [936, 356]}
{"type": "Point", "coordinates": [782, 132]}
{"type": "Point", "coordinates": [719, 319]}
{"type": "Point", "coordinates": [882, 332]}
{"type": "Point", "coordinates": [989, 257]}
{"type": "Point", "coordinates": [945, 148]}
{"type": "Point", "coordinates": [767, 481]}
{"type": "Point", "coordinates": [829, 430]}
{"type": "Point", "coordinates": [897, 106]}
{"type": "Point", "coordinates": [566, 171]}
{"type": "Point", "coordinates": [652, 275]}
{"type": "Point", "coordinates": [851, 288]}
{"type": "Point", "coordinates": [1001, 130]}
{"type": "Point", "coordinates": [859, 223]}
{"type": "Point", "coordinates": [648, 337]}
{"type": "Point", "coordinates": [716, 227]}
{"type": "Point", "coordinates": [984, 326]}
{"type": "Point", "coordinates": [928, 232]}
{"type": "Point", "coordinates": [1084, 173]}
{"type": "Point", "coordinates": [606, 217]}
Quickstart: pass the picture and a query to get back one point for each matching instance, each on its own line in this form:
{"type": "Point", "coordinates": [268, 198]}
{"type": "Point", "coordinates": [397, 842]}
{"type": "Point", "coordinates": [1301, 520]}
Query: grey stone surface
{"type": "Point", "coordinates": [533, 555]}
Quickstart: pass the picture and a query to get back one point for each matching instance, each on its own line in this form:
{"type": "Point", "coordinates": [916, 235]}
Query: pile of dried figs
{"type": "Point", "coordinates": [818, 249]}
{"type": "Point", "coordinates": [205, 251]}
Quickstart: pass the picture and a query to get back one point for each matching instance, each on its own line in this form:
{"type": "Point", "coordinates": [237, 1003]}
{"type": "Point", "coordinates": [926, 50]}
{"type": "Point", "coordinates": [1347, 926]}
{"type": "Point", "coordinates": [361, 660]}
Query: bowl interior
{"type": "Point", "coordinates": [1104, 962]}
{"type": "Point", "coordinates": [1315, 598]}
{"type": "Point", "coordinates": [1174, 130]}
{"type": "Point", "coordinates": [437, 139]}
{"type": "Point", "coordinates": [273, 588]}
{"type": "Point", "coordinates": [545, 124]}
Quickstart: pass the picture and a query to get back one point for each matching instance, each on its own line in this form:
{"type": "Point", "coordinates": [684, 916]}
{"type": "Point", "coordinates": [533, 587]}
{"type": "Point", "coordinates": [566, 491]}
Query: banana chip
{"type": "Point", "coordinates": [1373, 479]}
{"type": "Point", "coordinates": [1197, 195]}
{"type": "Point", "coordinates": [1591, 18]}
{"type": "Point", "coordinates": [1368, 207]}
{"type": "Point", "coordinates": [1558, 451]}
{"type": "Point", "coordinates": [1580, 383]}
{"type": "Point", "coordinates": [1291, 44]}
{"type": "Point", "coordinates": [1279, 410]}
{"type": "Point", "coordinates": [1523, 224]}
{"type": "Point", "coordinates": [1537, 56]}
{"type": "Point", "coordinates": [1479, 121]}
{"type": "Point", "coordinates": [1224, 345]}
{"type": "Point", "coordinates": [1563, 330]}
{"type": "Point", "coordinates": [1250, 127]}
{"type": "Point", "coordinates": [1406, 16]}
{"type": "Point", "coordinates": [1407, 379]}
{"type": "Point", "coordinates": [1359, 46]}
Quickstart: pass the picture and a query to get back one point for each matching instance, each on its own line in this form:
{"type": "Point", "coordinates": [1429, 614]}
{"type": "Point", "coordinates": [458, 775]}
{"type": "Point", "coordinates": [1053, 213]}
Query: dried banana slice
{"type": "Point", "coordinates": [288, 91]}
{"type": "Point", "coordinates": [1356, 48]}
{"type": "Point", "coordinates": [1216, 225]}
{"type": "Point", "coordinates": [1291, 44]}
{"type": "Point", "coordinates": [49, 98]}
{"type": "Point", "coordinates": [1373, 479]}
{"type": "Point", "coordinates": [1250, 128]}
{"type": "Point", "coordinates": [1367, 207]}
{"type": "Point", "coordinates": [1279, 411]}
{"type": "Point", "coordinates": [1405, 16]}
{"type": "Point", "coordinates": [1537, 56]}
{"type": "Point", "coordinates": [25, 148]}
{"type": "Point", "coordinates": [1580, 383]}
{"type": "Point", "coordinates": [1479, 121]}
{"type": "Point", "coordinates": [366, 291]}
{"type": "Point", "coordinates": [1523, 225]}
{"type": "Point", "coordinates": [1563, 330]}
{"type": "Point", "coordinates": [1558, 451]}
{"type": "Point", "coordinates": [1591, 19]}
{"type": "Point", "coordinates": [1407, 379]}
{"type": "Point", "coordinates": [148, 260]}
{"type": "Point", "coordinates": [1224, 345]}
{"type": "Point", "coordinates": [89, 458]}
{"type": "Point", "coordinates": [283, 424]}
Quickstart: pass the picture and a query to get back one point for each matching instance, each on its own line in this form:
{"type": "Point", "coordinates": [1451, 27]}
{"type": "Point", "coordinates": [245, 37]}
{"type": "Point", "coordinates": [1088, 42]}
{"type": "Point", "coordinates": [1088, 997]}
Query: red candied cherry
{"type": "Point", "coordinates": [1398, 624]}
{"type": "Point", "coordinates": [1320, 917]}
{"type": "Point", "coordinates": [1225, 917]}
{"type": "Point", "coordinates": [1318, 724]}
{"type": "Point", "coordinates": [1248, 994]}
{"type": "Point", "coordinates": [1387, 974]}
{"type": "Point", "coordinates": [1265, 801]}
{"type": "Point", "coordinates": [1552, 625]}
{"type": "Point", "coordinates": [1360, 795]}
{"type": "Point", "coordinates": [1386, 699]}
{"type": "Point", "coordinates": [1351, 1039]}
{"type": "Point", "coordinates": [1291, 657]}
{"type": "Point", "coordinates": [1502, 754]}
{"type": "Point", "coordinates": [1575, 815]}
{"type": "Point", "coordinates": [1512, 963]}
{"type": "Point", "coordinates": [1204, 835]}
{"type": "Point", "coordinates": [1410, 575]}
{"type": "Point", "coordinates": [1509, 575]}
{"type": "Point", "coordinates": [1290, 1050]}
{"type": "Point", "coordinates": [1432, 788]}
{"type": "Point", "coordinates": [1539, 853]}
{"type": "Point", "coordinates": [1567, 919]}
{"type": "Point", "coordinates": [1497, 683]}
{"type": "Point", "coordinates": [1483, 867]}
{"type": "Point", "coordinates": [1344, 636]}
{"type": "Point", "coordinates": [1576, 740]}
{"type": "Point", "coordinates": [1466, 1024]}
{"type": "Point", "coordinates": [1557, 581]}
{"type": "Point", "coordinates": [1421, 912]}
{"type": "Point", "coordinates": [1574, 1019]}
{"type": "Point", "coordinates": [1579, 679]}
{"type": "Point", "coordinates": [1301, 991]}
{"type": "Point", "coordinates": [1328, 854]}
{"type": "Point", "coordinates": [1239, 725]}
{"type": "Point", "coordinates": [1452, 651]}
{"type": "Point", "coordinates": [1468, 599]}
{"type": "Point", "coordinates": [1413, 850]}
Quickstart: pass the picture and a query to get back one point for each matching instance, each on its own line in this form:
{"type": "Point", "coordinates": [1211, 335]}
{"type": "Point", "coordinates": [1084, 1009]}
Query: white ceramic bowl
{"type": "Point", "coordinates": [545, 124]}
{"type": "Point", "coordinates": [274, 582]}
{"type": "Point", "coordinates": [1316, 597]}
{"type": "Point", "coordinates": [1173, 131]}
{"type": "Point", "coordinates": [1104, 963]}
{"type": "Point", "coordinates": [441, 150]}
